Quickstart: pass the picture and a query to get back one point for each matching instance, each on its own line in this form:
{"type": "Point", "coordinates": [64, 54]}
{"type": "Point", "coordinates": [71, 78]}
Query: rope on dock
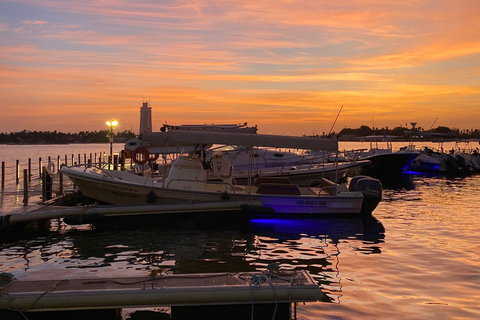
{"type": "Point", "coordinates": [256, 281]}
{"type": "Point", "coordinates": [9, 307]}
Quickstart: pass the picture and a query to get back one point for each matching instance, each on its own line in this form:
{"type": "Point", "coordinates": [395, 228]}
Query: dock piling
{"type": "Point", "coordinates": [25, 187]}
{"type": "Point", "coordinates": [60, 182]}
{"type": "Point", "coordinates": [3, 174]}
{"type": "Point", "coordinates": [29, 169]}
{"type": "Point", "coordinates": [47, 184]}
{"type": "Point", "coordinates": [17, 172]}
{"type": "Point", "coordinates": [40, 168]}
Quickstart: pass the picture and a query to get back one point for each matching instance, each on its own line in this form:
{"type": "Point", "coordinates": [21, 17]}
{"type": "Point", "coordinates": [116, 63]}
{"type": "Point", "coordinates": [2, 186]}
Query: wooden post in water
{"type": "Point", "coordinates": [3, 174]}
{"type": "Point", "coordinates": [122, 161]}
{"type": "Point", "coordinates": [84, 158]}
{"type": "Point", "coordinates": [29, 169]}
{"type": "Point", "coordinates": [17, 173]}
{"type": "Point", "coordinates": [40, 168]}
{"type": "Point", "coordinates": [73, 160]}
{"type": "Point", "coordinates": [43, 172]}
{"type": "Point", "coordinates": [47, 183]}
{"type": "Point", "coordinates": [66, 162]}
{"type": "Point", "coordinates": [25, 187]}
{"type": "Point", "coordinates": [115, 162]}
{"type": "Point", "coordinates": [60, 181]}
{"type": "Point", "coordinates": [58, 163]}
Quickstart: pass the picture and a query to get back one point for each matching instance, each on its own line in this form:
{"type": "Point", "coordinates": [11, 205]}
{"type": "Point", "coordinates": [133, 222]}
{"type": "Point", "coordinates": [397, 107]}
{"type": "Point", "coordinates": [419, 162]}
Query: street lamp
{"type": "Point", "coordinates": [112, 125]}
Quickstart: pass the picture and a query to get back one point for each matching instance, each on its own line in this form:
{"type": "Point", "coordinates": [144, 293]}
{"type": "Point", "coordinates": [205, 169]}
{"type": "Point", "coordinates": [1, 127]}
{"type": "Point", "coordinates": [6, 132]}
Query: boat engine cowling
{"type": "Point", "coordinates": [371, 189]}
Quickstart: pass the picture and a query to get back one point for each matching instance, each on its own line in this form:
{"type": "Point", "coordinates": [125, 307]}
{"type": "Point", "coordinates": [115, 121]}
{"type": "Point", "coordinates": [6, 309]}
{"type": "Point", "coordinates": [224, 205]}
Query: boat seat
{"type": "Point", "coordinates": [221, 168]}
{"type": "Point", "coordinates": [278, 188]}
{"type": "Point", "coordinates": [277, 180]}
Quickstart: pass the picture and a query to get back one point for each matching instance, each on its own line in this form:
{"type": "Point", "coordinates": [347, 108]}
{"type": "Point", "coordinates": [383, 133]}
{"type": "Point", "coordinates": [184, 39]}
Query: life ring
{"type": "Point", "coordinates": [146, 157]}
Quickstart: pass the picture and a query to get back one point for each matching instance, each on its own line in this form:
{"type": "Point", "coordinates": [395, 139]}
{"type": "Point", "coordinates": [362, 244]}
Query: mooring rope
{"type": "Point", "coordinates": [11, 308]}
{"type": "Point", "coordinates": [256, 281]}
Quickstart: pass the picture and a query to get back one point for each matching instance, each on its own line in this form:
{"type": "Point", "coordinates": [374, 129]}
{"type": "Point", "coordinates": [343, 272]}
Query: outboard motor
{"type": "Point", "coordinates": [465, 166]}
{"type": "Point", "coordinates": [371, 189]}
{"type": "Point", "coordinates": [451, 164]}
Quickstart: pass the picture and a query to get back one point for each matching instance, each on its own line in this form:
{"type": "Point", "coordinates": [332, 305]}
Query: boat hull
{"type": "Point", "coordinates": [387, 165]}
{"type": "Point", "coordinates": [115, 191]}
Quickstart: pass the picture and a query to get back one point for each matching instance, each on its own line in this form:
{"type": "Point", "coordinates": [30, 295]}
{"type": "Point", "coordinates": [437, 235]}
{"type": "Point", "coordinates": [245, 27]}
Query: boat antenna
{"type": "Point", "coordinates": [335, 120]}
{"type": "Point", "coordinates": [433, 124]}
{"type": "Point", "coordinates": [373, 123]}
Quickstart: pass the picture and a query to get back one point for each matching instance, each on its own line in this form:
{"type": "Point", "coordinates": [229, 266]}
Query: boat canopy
{"type": "Point", "coordinates": [182, 137]}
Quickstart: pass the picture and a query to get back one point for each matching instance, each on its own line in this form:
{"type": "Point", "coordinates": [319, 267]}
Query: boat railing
{"type": "Point", "coordinates": [322, 186]}
{"type": "Point", "coordinates": [353, 154]}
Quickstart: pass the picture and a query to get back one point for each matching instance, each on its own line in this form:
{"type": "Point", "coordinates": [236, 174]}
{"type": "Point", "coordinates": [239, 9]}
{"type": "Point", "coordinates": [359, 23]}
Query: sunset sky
{"type": "Point", "coordinates": [286, 66]}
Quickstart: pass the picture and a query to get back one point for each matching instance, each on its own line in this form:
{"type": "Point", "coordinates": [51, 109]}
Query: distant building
{"type": "Point", "coordinates": [145, 118]}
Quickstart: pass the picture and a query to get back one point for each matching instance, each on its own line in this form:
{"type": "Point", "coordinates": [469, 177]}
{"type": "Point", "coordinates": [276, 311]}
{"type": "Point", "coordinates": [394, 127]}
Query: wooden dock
{"type": "Point", "coordinates": [72, 215]}
{"type": "Point", "coordinates": [187, 294]}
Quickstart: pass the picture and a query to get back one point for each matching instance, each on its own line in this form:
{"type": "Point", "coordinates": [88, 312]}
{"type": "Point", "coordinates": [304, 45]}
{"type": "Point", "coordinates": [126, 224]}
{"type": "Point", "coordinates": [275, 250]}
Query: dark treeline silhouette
{"type": "Point", "coordinates": [402, 132]}
{"type": "Point", "coordinates": [55, 137]}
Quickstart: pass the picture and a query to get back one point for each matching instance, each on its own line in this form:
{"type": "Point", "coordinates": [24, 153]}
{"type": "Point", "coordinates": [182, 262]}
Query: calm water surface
{"type": "Point", "coordinates": [418, 258]}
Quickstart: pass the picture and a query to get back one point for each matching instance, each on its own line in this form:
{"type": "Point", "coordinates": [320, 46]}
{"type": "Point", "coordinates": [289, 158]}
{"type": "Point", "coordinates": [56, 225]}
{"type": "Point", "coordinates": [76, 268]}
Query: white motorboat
{"type": "Point", "coordinates": [187, 183]}
{"type": "Point", "coordinates": [463, 159]}
{"type": "Point", "coordinates": [187, 180]}
{"type": "Point", "coordinates": [425, 163]}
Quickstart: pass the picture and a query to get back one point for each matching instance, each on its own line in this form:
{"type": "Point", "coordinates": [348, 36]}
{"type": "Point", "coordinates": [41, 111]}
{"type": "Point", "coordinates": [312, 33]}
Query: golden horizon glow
{"type": "Point", "coordinates": [286, 66]}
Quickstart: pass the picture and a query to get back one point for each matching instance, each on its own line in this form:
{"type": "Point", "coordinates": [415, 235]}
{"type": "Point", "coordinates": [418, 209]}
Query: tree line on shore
{"type": "Point", "coordinates": [404, 132]}
{"type": "Point", "coordinates": [102, 136]}
{"type": "Point", "coordinates": [55, 137]}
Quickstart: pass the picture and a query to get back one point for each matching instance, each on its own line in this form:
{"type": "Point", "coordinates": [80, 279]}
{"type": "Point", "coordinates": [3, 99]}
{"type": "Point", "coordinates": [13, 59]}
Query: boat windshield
{"type": "Point", "coordinates": [227, 148]}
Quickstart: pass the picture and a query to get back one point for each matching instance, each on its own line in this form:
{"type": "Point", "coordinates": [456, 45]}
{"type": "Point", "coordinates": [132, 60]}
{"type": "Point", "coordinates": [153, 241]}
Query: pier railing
{"type": "Point", "coordinates": [34, 178]}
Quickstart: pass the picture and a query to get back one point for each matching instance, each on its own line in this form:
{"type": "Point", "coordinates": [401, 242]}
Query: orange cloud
{"type": "Point", "coordinates": [272, 63]}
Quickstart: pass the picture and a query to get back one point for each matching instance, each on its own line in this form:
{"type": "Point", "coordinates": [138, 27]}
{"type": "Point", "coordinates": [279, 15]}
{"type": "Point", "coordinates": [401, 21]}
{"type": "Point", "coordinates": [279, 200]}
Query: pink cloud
{"type": "Point", "coordinates": [268, 61]}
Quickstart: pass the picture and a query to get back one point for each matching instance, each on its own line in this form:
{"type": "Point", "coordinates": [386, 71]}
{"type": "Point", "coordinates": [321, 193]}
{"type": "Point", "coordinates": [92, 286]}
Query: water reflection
{"type": "Point", "coordinates": [313, 245]}
{"type": "Point", "coordinates": [309, 244]}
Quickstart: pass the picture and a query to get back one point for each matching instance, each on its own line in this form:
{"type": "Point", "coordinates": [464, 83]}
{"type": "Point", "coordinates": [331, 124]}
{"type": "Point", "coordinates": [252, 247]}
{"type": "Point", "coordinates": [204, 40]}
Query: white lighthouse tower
{"type": "Point", "coordinates": [145, 117]}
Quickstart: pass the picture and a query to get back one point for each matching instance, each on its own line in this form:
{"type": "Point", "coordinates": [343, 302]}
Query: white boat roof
{"type": "Point", "coordinates": [181, 137]}
{"type": "Point", "coordinates": [240, 128]}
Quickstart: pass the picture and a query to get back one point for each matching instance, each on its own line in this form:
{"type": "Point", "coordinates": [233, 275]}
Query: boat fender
{"type": "Point", "coordinates": [225, 196]}
{"type": "Point", "coordinates": [151, 197]}
{"type": "Point", "coordinates": [6, 276]}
